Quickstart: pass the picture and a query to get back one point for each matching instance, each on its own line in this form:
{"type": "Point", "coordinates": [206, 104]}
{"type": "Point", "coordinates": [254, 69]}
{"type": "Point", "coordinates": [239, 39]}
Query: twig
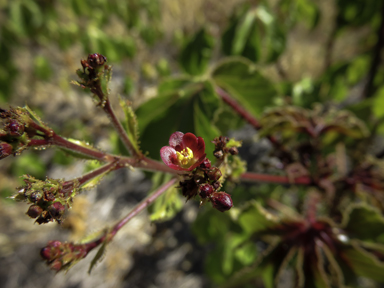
{"type": "Point", "coordinates": [255, 177]}
{"type": "Point", "coordinates": [141, 206]}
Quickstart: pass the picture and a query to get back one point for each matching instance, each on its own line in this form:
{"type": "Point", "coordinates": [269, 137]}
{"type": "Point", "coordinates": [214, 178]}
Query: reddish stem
{"type": "Point", "coordinates": [141, 206]}
{"type": "Point", "coordinates": [243, 113]}
{"type": "Point", "coordinates": [239, 109]}
{"type": "Point", "coordinates": [120, 129]}
{"type": "Point", "coordinates": [57, 140]}
{"type": "Point", "coordinates": [255, 177]}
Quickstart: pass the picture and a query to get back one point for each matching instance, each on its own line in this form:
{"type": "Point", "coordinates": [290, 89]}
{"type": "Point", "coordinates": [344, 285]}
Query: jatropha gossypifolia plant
{"type": "Point", "coordinates": [328, 230]}
{"type": "Point", "coordinates": [50, 199]}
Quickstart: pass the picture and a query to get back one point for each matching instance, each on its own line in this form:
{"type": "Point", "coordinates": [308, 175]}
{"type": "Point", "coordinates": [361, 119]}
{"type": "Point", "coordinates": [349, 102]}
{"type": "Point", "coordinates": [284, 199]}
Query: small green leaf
{"type": "Point", "coordinates": [363, 222]}
{"type": "Point", "coordinates": [98, 257]}
{"type": "Point", "coordinates": [363, 263]}
{"type": "Point", "coordinates": [255, 218]}
{"type": "Point", "coordinates": [168, 204]}
{"type": "Point", "coordinates": [240, 78]}
{"type": "Point", "coordinates": [131, 126]}
{"type": "Point", "coordinates": [197, 53]}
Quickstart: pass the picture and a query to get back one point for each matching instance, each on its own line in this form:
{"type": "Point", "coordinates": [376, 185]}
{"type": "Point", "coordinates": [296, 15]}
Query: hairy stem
{"type": "Point", "coordinates": [141, 206]}
{"type": "Point", "coordinates": [57, 140]}
{"type": "Point", "coordinates": [120, 130]}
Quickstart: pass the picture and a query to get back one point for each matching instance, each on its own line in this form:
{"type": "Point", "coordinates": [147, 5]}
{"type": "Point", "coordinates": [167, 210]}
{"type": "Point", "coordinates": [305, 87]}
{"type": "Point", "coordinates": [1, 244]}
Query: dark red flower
{"type": "Point", "coordinates": [185, 151]}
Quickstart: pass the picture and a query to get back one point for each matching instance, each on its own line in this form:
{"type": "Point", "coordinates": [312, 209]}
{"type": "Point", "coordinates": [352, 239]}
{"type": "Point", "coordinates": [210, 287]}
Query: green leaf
{"type": "Point", "coordinates": [363, 263]}
{"type": "Point", "coordinates": [168, 204]}
{"type": "Point", "coordinates": [196, 53]}
{"type": "Point", "coordinates": [240, 78]}
{"type": "Point", "coordinates": [255, 218]}
{"type": "Point", "coordinates": [98, 257]}
{"type": "Point", "coordinates": [131, 126]}
{"type": "Point", "coordinates": [254, 34]}
{"type": "Point", "coordinates": [363, 222]}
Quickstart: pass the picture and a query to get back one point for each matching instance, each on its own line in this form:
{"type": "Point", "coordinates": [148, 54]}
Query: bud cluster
{"type": "Point", "coordinates": [49, 198]}
{"type": "Point", "coordinates": [61, 256]}
{"type": "Point", "coordinates": [15, 134]}
{"type": "Point", "coordinates": [204, 181]}
{"type": "Point", "coordinates": [225, 146]}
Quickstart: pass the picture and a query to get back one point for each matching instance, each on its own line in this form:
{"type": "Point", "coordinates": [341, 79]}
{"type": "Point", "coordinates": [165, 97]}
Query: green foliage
{"type": "Point", "coordinates": [253, 32]}
{"type": "Point", "coordinates": [196, 53]}
{"type": "Point", "coordinates": [181, 105]}
{"type": "Point", "coordinates": [245, 83]}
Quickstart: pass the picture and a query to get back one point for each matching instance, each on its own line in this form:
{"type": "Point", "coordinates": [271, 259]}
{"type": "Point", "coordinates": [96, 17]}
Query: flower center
{"type": "Point", "coordinates": [184, 157]}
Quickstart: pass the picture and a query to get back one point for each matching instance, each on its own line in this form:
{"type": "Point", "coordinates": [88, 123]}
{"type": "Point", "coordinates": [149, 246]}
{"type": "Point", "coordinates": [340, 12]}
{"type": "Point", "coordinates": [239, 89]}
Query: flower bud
{"type": "Point", "coordinates": [6, 149]}
{"type": "Point", "coordinates": [218, 154]}
{"type": "Point", "coordinates": [56, 210]}
{"type": "Point", "coordinates": [206, 164]}
{"type": "Point", "coordinates": [35, 196]}
{"type": "Point", "coordinates": [233, 151]}
{"type": "Point", "coordinates": [34, 211]}
{"type": "Point", "coordinates": [96, 60]}
{"type": "Point", "coordinates": [221, 201]}
{"type": "Point", "coordinates": [205, 190]}
{"type": "Point", "coordinates": [14, 128]}
{"type": "Point", "coordinates": [214, 174]}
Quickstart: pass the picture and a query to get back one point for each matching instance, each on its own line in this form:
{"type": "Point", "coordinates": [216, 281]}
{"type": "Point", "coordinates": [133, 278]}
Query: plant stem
{"type": "Point", "coordinates": [244, 114]}
{"type": "Point", "coordinates": [106, 104]}
{"type": "Point", "coordinates": [86, 177]}
{"type": "Point", "coordinates": [57, 140]}
{"type": "Point", "coordinates": [255, 177]}
{"type": "Point", "coordinates": [239, 109]}
{"type": "Point", "coordinates": [119, 128]}
{"type": "Point", "coordinates": [141, 206]}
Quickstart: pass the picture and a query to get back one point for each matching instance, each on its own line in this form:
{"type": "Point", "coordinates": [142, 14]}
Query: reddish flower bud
{"type": "Point", "coordinates": [35, 196]}
{"type": "Point", "coordinates": [205, 190]}
{"type": "Point", "coordinates": [233, 151]}
{"type": "Point", "coordinates": [96, 60]}
{"type": "Point", "coordinates": [5, 149]}
{"type": "Point", "coordinates": [34, 211]}
{"type": "Point", "coordinates": [214, 174]}
{"type": "Point", "coordinates": [14, 128]}
{"type": "Point", "coordinates": [56, 265]}
{"type": "Point", "coordinates": [218, 154]}
{"type": "Point", "coordinates": [221, 201]}
{"type": "Point", "coordinates": [206, 164]}
{"type": "Point", "coordinates": [56, 210]}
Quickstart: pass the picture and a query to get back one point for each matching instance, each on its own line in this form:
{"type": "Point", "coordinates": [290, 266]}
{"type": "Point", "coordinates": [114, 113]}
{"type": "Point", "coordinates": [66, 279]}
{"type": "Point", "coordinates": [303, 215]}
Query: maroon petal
{"type": "Point", "coordinates": [176, 139]}
{"type": "Point", "coordinates": [198, 162]}
{"type": "Point", "coordinates": [168, 155]}
{"type": "Point", "coordinates": [196, 144]}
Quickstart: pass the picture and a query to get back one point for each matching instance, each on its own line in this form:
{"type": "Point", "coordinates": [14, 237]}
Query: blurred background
{"type": "Point", "coordinates": [302, 43]}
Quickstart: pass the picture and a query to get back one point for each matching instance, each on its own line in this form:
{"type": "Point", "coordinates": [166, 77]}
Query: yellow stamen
{"type": "Point", "coordinates": [184, 157]}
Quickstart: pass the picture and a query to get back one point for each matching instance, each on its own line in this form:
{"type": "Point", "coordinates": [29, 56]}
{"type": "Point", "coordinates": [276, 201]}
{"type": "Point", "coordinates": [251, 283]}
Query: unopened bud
{"type": "Point", "coordinates": [221, 201]}
{"type": "Point", "coordinates": [206, 164]}
{"type": "Point", "coordinates": [14, 128]}
{"type": "Point", "coordinates": [6, 149]}
{"type": "Point", "coordinates": [56, 210]}
{"type": "Point", "coordinates": [34, 211]}
{"type": "Point", "coordinates": [96, 60]}
{"type": "Point", "coordinates": [205, 190]}
{"type": "Point", "coordinates": [218, 154]}
{"type": "Point", "coordinates": [233, 151]}
{"type": "Point", "coordinates": [35, 196]}
{"type": "Point", "coordinates": [214, 174]}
